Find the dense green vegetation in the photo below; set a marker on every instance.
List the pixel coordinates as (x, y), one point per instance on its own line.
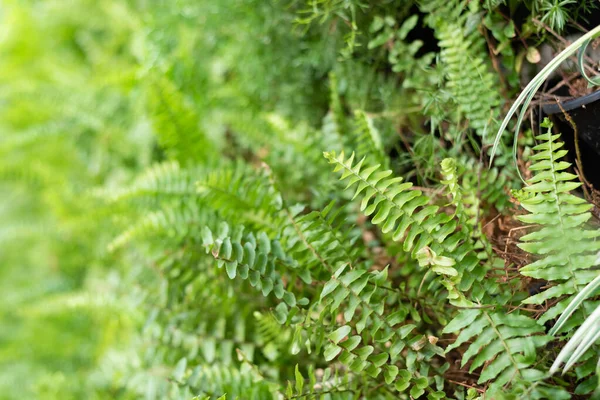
(287, 199)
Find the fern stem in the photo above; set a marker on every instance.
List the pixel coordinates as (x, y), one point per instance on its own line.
(501, 338)
(559, 209)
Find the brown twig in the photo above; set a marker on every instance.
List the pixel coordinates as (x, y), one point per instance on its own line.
(495, 64)
(467, 385)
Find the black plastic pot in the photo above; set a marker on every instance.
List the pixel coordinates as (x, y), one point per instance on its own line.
(585, 113)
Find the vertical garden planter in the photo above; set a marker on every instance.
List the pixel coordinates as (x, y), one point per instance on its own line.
(584, 112)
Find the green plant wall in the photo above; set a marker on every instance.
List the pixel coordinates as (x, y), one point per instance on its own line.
(244, 199)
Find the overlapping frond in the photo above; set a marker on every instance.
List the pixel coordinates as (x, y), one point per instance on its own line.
(426, 233)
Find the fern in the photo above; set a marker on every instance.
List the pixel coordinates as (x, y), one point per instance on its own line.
(406, 214)
(271, 336)
(450, 177)
(368, 139)
(173, 222)
(160, 180)
(510, 340)
(219, 381)
(319, 240)
(559, 215)
(189, 198)
(375, 326)
(335, 384)
(249, 197)
(176, 122)
(478, 187)
(244, 270)
(255, 258)
(367, 304)
(484, 187)
(463, 58)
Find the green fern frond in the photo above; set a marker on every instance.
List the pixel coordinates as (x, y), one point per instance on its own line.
(464, 60)
(321, 241)
(280, 142)
(510, 340)
(166, 179)
(559, 215)
(190, 198)
(255, 258)
(173, 222)
(334, 383)
(530, 386)
(361, 344)
(269, 330)
(474, 189)
(336, 110)
(214, 341)
(177, 123)
(395, 204)
(226, 382)
(368, 139)
(484, 187)
(449, 172)
(369, 307)
(407, 215)
(246, 195)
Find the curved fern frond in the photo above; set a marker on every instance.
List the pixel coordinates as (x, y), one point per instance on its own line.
(449, 172)
(398, 208)
(407, 215)
(255, 258)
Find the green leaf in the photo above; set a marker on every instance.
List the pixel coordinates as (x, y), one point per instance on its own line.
(462, 320)
(329, 287)
(281, 313)
(339, 334)
(231, 268)
(299, 380)
(179, 371)
(331, 351)
(379, 359)
(390, 372)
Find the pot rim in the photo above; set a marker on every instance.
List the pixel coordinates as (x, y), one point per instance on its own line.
(553, 108)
